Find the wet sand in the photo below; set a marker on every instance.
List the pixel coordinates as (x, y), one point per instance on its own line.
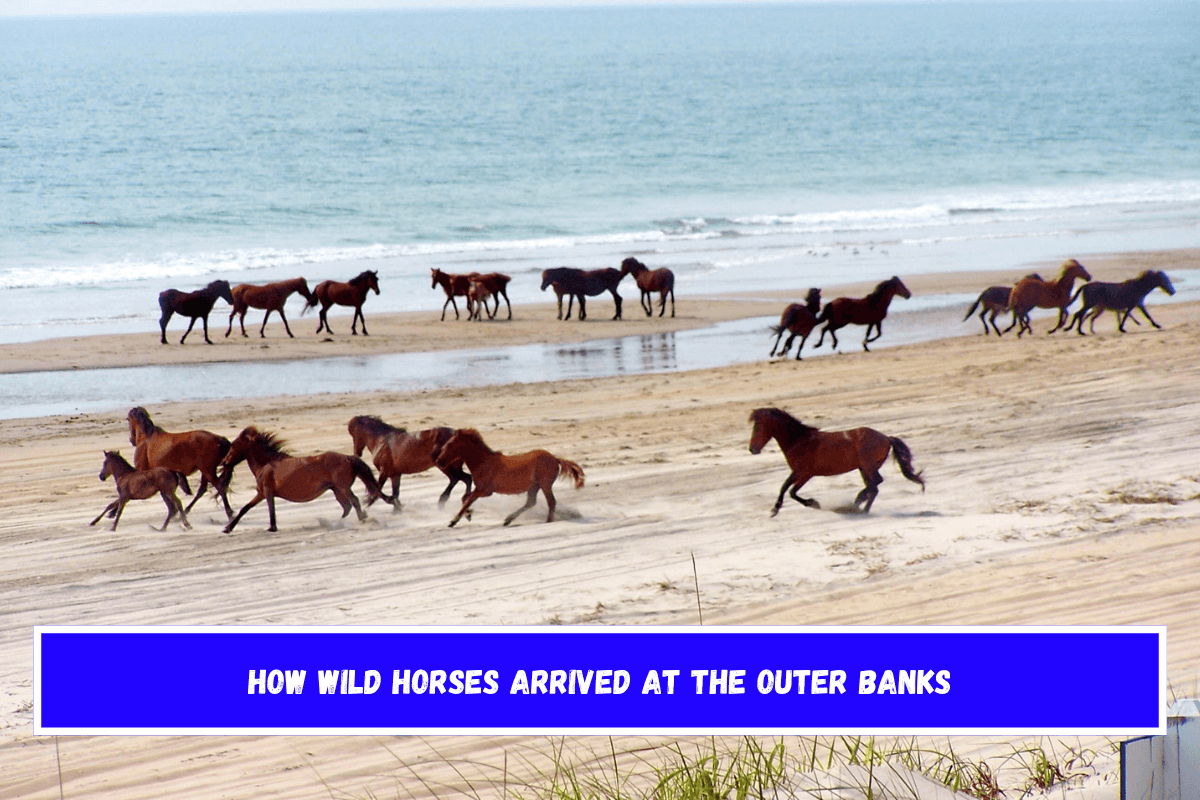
(1063, 488)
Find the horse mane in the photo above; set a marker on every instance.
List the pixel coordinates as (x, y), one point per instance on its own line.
(362, 277)
(791, 427)
(116, 454)
(376, 426)
(630, 264)
(880, 290)
(271, 442)
(142, 417)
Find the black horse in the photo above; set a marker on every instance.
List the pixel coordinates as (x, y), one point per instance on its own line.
(196, 305)
(1122, 298)
(582, 283)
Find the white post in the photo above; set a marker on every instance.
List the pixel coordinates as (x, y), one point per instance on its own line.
(1165, 767)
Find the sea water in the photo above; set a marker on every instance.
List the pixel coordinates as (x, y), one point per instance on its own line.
(744, 147)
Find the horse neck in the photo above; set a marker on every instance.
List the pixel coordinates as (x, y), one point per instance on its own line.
(118, 467)
(475, 453)
(258, 456)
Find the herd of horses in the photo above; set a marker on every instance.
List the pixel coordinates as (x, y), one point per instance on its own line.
(1033, 291)
(476, 289)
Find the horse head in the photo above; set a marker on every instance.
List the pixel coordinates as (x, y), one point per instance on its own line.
(372, 281)
(631, 266)
(1163, 282)
(547, 278)
(1072, 269)
(253, 442)
(306, 293)
(140, 425)
(900, 288)
(222, 290)
(106, 469)
(812, 301)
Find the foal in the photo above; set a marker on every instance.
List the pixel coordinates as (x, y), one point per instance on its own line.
(140, 484)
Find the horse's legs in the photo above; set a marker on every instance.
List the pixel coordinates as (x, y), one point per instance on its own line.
(582, 308)
(191, 325)
(204, 319)
(559, 305)
(795, 482)
(779, 336)
(229, 330)
(110, 509)
(803, 339)
(672, 302)
(616, 299)
(548, 490)
(172, 504)
(395, 493)
(1147, 313)
(449, 301)
(868, 337)
(258, 498)
(662, 308)
(200, 491)
(872, 480)
(1062, 317)
(162, 323)
(182, 516)
(530, 500)
(358, 315)
(506, 302)
(121, 501)
(471, 497)
(647, 303)
(324, 323)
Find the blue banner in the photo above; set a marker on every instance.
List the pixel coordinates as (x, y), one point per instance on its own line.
(160, 680)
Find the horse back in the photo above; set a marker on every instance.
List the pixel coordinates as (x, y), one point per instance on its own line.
(300, 479)
(836, 452)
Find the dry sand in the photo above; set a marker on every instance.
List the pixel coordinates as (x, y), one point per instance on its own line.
(1063, 488)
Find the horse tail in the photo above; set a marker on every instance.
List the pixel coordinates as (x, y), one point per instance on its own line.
(571, 470)
(903, 458)
(1075, 296)
(364, 474)
(182, 480)
(974, 305)
(311, 301)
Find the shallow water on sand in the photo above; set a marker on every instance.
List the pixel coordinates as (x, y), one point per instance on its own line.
(735, 342)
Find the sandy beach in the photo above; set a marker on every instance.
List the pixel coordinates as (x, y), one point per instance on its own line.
(1062, 488)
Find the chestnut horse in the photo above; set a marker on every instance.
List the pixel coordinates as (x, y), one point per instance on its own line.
(798, 320)
(296, 479)
(1121, 298)
(494, 284)
(196, 305)
(661, 280)
(994, 300)
(351, 293)
(579, 283)
(1033, 292)
(477, 297)
(495, 472)
(454, 286)
(397, 453)
(140, 484)
(810, 452)
(270, 296)
(869, 311)
(185, 453)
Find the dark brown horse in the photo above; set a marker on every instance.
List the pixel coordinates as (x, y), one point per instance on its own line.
(1121, 298)
(495, 472)
(454, 286)
(869, 311)
(397, 453)
(185, 453)
(810, 452)
(579, 283)
(798, 320)
(495, 285)
(350, 293)
(140, 484)
(297, 479)
(994, 300)
(1033, 292)
(270, 296)
(196, 305)
(661, 280)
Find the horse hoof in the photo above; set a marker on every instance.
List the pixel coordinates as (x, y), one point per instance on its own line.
(774, 511)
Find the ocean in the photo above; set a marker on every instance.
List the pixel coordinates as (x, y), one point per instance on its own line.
(745, 147)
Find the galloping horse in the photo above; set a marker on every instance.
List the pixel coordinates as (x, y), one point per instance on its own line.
(397, 453)
(994, 300)
(810, 452)
(582, 283)
(270, 296)
(494, 284)
(1121, 298)
(495, 472)
(297, 479)
(140, 484)
(454, 286)
(1033, 292)
(661, 280)
(196, 305)
(869, 311)
(799, 320)
(351, 293)
(184, 453)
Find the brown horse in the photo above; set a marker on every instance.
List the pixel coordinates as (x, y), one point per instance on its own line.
(196, 305)
(454, 286)
(661, 280)
(798, 320)
(810, 452)
(270, 296)
(869, 311)
(1121, 298)
(477, 297)
(185, 453)
(350, 293)
(495, 472)
(296, 479)
(1033, 292)
(494, 284)
(994, 300)
(579, 283)
(140, 484)
(397, 453)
